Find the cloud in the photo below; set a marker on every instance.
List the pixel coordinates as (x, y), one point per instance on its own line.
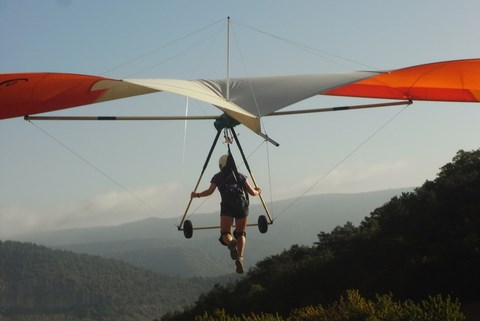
(170, 199)
(111, 208)
(15, 219)
(359, 177)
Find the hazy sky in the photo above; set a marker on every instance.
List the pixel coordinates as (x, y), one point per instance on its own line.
(69, 174)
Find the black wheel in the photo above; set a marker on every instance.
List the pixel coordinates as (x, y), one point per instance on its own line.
(188, 229)
(262, 224)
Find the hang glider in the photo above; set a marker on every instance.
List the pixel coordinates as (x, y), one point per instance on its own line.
(245, 100)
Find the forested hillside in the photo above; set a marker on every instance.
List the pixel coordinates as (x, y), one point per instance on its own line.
(420, 244)
(61, 285)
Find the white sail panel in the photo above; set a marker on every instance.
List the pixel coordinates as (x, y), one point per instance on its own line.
(262, 96)
(197, 90)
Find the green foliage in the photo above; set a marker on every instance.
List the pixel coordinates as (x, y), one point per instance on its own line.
(221, 315)
(419, 244)
(356, 308)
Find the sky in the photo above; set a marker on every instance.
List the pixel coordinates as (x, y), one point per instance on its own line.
(57, 175)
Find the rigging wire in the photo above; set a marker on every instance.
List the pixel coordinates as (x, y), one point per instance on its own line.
(350, 154)
(90, 164)
(165, 60)
(242, 60)
(193, 72)
(185, 132)
(207, 51)
(248, 77)
(329, 56)
(269, 177)
(259, 114)
(184, 147)
(161, 47)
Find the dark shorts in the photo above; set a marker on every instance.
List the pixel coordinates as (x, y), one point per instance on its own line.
(237, 208)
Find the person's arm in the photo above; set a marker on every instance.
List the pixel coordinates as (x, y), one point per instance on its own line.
(252, 191)
(204, 193)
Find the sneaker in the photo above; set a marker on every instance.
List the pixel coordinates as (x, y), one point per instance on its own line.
(232, 246)
(239, 265)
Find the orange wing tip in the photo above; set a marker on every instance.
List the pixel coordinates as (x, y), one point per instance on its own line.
(32, 93)
(457, 80)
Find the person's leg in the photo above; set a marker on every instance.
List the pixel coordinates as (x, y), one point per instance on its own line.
(240, 236)
(226, 223)
(240, 227)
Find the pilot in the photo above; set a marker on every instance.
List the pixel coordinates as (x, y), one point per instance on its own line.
(233, 188)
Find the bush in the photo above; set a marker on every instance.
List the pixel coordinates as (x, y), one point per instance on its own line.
(353, 307)
(221, 315)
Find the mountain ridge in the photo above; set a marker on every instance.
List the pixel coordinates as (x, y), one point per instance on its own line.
(156, 244)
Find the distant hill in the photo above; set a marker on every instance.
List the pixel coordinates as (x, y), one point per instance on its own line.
(35, 281)
(156, 244)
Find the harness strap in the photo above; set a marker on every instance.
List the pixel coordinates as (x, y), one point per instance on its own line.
(234, 169)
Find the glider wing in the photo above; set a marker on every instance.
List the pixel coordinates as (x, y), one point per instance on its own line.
(24, 94)
(248, 99)
(457, 80)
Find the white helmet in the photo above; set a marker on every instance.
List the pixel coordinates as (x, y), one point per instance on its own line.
(222, 161)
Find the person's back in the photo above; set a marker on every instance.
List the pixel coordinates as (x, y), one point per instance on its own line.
(229, 185)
